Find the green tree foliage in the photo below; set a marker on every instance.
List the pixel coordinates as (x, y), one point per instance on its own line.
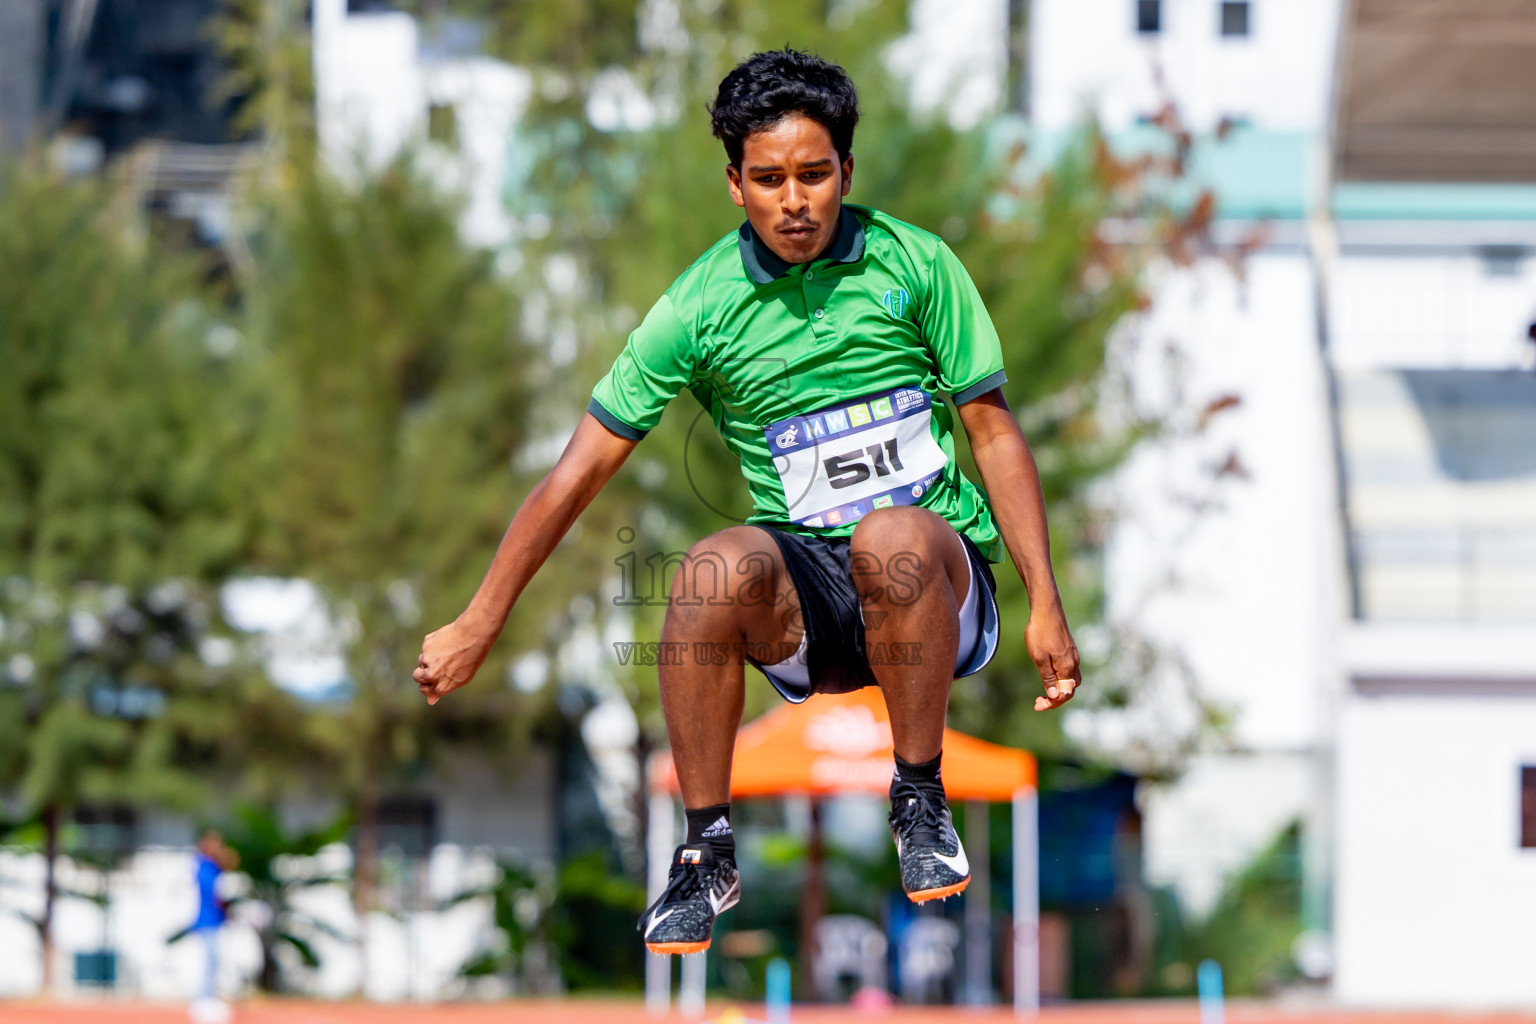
(1253, 929)
(520, 902)
(563, 922)
(394, 389)
(397, 394)
(269, 68)
(117, 515)
(1251, 932)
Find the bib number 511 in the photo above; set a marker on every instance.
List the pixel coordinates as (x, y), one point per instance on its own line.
(850, 468)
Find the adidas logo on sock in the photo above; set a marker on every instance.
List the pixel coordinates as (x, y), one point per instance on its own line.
(938, 776)
(721, 827)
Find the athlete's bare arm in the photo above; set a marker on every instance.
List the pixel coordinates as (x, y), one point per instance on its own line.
(451, 656)
(1013, 487)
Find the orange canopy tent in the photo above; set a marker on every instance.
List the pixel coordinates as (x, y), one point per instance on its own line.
(835, 744)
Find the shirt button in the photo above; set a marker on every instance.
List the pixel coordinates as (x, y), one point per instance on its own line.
(820, 313)
(810, 275)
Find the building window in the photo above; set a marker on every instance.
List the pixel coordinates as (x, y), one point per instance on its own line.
(1149, 17)
(1234, 18)
(106, 830)
(408, 825)
(1527, 807)
(1503, 260)
(443, 124)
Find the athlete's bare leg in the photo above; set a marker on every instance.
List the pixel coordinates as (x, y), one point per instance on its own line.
(731, 592)
(911, 572)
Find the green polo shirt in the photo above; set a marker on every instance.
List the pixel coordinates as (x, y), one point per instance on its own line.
(824, 377)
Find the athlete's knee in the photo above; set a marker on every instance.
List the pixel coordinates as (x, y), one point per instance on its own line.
(903, 554)
(900, 528)
(913, 534)
(700, 576)
(720, 578)
(707, 573)
(897, 555)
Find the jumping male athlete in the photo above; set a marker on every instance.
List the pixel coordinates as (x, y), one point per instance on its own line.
(820, 338)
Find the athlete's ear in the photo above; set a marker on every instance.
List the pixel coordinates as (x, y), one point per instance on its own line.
(847, 173)
(733, 176)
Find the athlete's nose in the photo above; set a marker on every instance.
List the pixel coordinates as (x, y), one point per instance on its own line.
(796, 201)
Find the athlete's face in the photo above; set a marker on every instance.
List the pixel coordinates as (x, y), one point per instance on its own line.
(792, 184)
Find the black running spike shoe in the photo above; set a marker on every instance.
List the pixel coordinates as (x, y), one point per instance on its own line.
(933, 864)
(699, 888)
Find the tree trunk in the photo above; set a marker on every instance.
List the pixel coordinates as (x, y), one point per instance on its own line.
(270, 979)
(640, 804)
(813, 898)
(365, 871)
(51, 817)
(1018, 57)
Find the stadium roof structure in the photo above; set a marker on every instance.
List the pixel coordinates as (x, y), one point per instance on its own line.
(841, 743)
(1437, 91)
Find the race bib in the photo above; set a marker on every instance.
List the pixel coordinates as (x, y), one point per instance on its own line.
(838, 464)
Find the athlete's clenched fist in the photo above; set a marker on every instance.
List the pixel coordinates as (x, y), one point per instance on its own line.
(1055, 654)
(450, 657)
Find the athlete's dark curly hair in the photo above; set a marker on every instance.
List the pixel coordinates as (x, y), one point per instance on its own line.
(767, 87)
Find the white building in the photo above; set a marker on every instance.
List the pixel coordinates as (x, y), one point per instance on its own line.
(380, 86)
(1364, 593)
(1432, 298)
(1225, 552)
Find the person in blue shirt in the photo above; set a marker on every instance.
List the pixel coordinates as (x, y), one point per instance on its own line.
(214, 857)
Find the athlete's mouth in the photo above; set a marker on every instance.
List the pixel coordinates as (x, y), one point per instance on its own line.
(798, 230)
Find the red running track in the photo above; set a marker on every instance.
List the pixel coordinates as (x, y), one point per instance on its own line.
(586, 1011)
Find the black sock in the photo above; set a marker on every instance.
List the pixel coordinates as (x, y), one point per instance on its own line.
(712, 826)
(925, 774)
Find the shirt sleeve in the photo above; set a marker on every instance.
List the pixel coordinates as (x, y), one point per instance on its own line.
(658, 361)
(959, 331)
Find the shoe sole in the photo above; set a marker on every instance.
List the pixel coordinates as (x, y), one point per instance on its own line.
(943, 892)
(671, 948)
(666, 948)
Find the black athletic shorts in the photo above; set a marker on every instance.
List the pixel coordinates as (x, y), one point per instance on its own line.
(836, 653)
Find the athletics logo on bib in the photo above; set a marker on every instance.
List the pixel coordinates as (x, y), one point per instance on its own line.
(842, 462)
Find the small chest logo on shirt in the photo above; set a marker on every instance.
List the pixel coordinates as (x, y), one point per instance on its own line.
(895, 302)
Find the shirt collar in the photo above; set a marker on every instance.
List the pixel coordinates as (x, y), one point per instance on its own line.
(764, 265)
